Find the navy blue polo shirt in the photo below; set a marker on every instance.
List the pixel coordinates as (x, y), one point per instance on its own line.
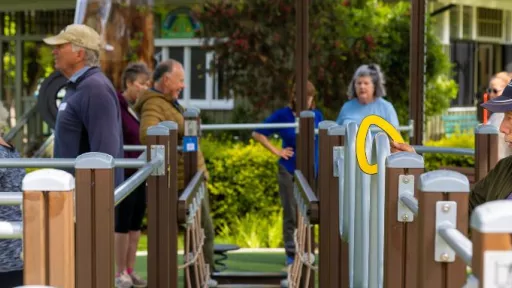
(288, 135)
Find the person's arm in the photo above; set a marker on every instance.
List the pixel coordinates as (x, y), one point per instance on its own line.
(150, 115)
(285, 153)
(261, 135)
(99, 114)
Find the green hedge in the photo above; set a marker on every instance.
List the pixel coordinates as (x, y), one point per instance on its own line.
(243, 180)
(459, 140)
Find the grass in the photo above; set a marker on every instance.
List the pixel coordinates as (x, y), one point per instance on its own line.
(143, 242)
(237, 262)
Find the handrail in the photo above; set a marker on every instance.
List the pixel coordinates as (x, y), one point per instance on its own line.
(420, 149)
(11, 198)
(458, 242)
(11, 230)
(187, 197)
(20, 123)
(127, 187)
(307, 194)
(411, 202)
(62, 163)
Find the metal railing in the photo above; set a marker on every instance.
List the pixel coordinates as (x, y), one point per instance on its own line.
(401, 216)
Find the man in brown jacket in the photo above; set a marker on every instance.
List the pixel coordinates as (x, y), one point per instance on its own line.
(160, 103)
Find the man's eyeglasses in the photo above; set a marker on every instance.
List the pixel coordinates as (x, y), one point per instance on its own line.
(491, 90)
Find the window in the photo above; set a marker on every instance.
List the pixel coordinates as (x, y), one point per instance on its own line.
(201, 88)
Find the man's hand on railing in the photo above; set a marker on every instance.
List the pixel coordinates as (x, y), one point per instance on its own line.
(400, 147)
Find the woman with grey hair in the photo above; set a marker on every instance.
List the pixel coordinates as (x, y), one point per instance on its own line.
(11, 263)
(365, 94)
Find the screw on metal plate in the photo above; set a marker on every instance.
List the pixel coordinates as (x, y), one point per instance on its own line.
(446, 216)
(405, 186)
(445, 257)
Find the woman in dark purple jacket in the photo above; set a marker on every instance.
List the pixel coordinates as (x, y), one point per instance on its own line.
(130, 212)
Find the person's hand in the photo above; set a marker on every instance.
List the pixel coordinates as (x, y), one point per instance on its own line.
(400, 147)
(286, 153)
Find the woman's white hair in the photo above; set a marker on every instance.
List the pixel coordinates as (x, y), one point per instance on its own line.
(92, 58)
(373, 71)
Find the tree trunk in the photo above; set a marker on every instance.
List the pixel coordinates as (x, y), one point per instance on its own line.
(127, 28)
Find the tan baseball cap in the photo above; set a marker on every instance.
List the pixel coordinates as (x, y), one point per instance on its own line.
(78, 34)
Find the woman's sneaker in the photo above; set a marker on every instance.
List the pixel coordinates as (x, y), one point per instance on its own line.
(137, 280)
(123, 280)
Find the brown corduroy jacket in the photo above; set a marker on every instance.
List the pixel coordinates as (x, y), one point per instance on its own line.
(154, 107)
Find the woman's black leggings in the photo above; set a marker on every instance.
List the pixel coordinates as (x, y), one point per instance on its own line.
(11, 279)
(130, 212)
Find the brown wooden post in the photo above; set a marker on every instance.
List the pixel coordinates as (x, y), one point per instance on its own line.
(486, 150)
(400, 225)
(49, 228)
(94, 260)
(324, 168)
(301, 53)
(306, 164)
(172, 175)
(306, 147)
(162, 219)
(190, 150)
(492, 236)
(443, 199)
(190, 143)
(417, 69)
(333, 272)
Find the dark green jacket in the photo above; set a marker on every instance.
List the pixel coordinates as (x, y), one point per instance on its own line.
(497, 185)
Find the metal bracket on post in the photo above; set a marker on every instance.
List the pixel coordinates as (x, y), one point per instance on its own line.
(158, 151)
(337, 153)
(446, 216)
(191, 128)
(405, 186)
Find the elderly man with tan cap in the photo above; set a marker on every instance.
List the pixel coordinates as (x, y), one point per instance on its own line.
(89, 117)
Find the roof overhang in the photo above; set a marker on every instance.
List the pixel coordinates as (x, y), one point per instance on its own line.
(494, 4)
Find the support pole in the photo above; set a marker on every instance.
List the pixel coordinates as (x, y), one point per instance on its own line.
(162, 222)
(401, 227)
(94, 220)
(49, 228)
(417, 69)
(443, 200)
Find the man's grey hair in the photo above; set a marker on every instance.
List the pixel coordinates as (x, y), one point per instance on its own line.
(373, 71)
(163, 67)
(92, 58)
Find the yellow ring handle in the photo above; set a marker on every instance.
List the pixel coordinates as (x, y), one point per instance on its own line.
(361, 139)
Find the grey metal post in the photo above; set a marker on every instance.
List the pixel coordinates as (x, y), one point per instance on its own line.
(362, 222)
(350, 194)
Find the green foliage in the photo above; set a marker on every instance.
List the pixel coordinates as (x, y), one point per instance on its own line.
(256, 53)
(254, 230)
(459, 140)
(243, 180)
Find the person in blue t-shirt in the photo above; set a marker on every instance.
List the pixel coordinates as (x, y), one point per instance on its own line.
(365, 94)
(286, 161)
